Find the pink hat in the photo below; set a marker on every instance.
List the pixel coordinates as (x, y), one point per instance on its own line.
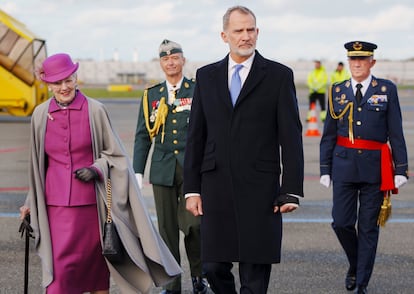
(57, 67)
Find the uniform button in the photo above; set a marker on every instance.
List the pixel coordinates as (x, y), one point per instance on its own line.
(65, 139)
(359, 109)
(358, 123)
(174, 111)
(176, 152)
(175, 142)
(358, 137)
(174, 121)
(359, 151)
(174, 132)
(377, 109)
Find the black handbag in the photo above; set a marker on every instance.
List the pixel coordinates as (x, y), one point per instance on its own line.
(112, 247)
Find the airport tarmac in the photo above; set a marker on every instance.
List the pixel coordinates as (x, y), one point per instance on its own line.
(312, 261)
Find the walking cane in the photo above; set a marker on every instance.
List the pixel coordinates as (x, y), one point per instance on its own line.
(26, 229)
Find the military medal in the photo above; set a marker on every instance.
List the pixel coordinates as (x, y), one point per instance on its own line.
(153, 115)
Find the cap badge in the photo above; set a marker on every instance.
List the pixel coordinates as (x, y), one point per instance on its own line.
(357, 46)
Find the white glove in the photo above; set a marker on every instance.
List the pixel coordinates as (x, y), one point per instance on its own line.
(400, 181)
(139, 180)
(325, 180)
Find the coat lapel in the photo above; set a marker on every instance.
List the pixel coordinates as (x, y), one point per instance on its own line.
(219, 78)
(185, 88)
(371, 90)
(256, 74)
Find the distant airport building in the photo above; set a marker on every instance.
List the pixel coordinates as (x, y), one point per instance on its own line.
(147, 73)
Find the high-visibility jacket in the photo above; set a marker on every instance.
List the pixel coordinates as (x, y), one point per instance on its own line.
(340, 76)
(318, 80)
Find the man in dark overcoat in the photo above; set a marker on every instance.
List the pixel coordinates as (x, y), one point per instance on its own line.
(243, 165)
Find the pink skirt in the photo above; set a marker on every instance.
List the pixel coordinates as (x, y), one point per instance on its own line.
(78, 264)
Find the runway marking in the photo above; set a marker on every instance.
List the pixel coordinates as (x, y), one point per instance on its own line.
(9, 189)
(329, 220)
(10, 150)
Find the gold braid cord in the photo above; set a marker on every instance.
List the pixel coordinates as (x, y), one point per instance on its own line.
(160, 118)
(350, 107)
(385, 212)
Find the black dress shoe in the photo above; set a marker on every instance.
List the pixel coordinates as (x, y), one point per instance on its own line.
(199, 285)
(361, 290)
(350, 280)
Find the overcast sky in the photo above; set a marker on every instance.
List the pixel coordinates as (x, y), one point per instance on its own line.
(288, 29)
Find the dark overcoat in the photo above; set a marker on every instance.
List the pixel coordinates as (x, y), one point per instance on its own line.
(236, 155)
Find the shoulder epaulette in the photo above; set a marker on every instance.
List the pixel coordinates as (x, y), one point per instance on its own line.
(340, 83)
(153, 86)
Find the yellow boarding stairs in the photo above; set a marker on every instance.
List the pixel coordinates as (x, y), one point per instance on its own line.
(21, 53)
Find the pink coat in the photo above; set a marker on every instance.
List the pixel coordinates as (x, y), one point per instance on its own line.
(63, 131)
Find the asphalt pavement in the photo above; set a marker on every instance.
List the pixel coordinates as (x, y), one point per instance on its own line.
(312, 260)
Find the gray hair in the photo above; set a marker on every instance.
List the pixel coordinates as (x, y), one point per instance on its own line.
(239, 8)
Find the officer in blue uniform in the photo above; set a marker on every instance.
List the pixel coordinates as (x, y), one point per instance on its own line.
(162, 122)
(363, 125)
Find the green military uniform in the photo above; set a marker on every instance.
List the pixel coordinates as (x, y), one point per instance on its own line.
(166, 167)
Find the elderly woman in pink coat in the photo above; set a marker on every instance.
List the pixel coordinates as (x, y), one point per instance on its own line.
(73, 144)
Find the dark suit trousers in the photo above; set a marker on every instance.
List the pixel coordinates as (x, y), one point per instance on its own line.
(173, 217)
(359, 244)
(254, 278)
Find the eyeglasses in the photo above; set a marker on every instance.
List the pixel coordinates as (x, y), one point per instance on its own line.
(69, 82)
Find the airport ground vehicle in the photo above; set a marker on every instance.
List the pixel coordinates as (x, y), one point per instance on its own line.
(21, 53)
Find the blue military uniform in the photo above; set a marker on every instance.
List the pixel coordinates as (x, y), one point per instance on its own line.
(356, 172)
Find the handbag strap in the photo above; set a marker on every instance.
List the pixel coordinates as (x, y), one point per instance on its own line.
(109, 197)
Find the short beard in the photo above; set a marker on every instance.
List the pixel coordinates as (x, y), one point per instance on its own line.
(245, 52)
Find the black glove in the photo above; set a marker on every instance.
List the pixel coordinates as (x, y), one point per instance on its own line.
(284, 199)
(86, 174)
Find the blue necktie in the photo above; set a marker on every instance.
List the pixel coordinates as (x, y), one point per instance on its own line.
(235, 84)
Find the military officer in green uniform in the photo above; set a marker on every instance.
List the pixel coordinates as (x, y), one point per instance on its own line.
(163, 121)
